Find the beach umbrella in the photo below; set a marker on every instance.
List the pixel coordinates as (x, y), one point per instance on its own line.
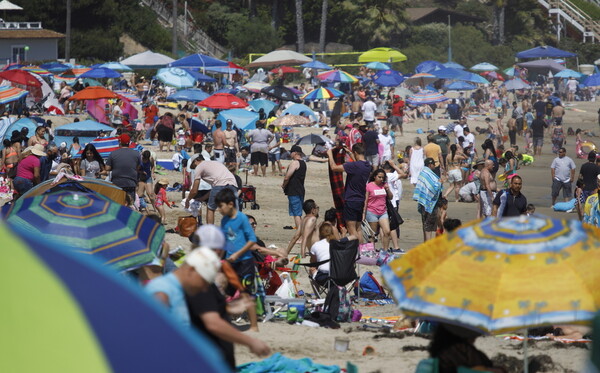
(403, 92)
(426, 98)
(199, 76)
(291, 120)
(454, 65)
(493, 75)
(223, 101)
(126, 95)
(280, 57)
(515, 84)
(474, 78)
(313, 139)
(231, 68)
(100, 72)
(592, 81)
(544, 52)
(314, 64)
(117, 66)
(428, 67)
(107, 145)
(10, 94)
(568, 73)
(510, 71)
(190, 94)
(460, 86)
(377, 66)
(241, 118)
(322, 93)
(484, 66)
(36, 70)
(115, 234)
(542, 66)
(421, 79)
(281, 93)
(197, 60)
(285, 70)
(7, 5)
(93, 319)
(301, 110)
(20, 77)
(147, 60)
(388, 78)
(381, 54)
(175, 77)
(93, 93)
(334, 76)
(266, 105)
(54, 67)
(229, 91)
(498, 275)
(255, 86)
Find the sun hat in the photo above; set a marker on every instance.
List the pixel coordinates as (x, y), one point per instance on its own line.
(124, 139)
(205, 262)
(441, 128)
(37, 149)
(163, 181)
(209, 235)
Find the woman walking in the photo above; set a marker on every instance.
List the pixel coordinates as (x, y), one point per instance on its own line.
(416, 161)
(375, 210)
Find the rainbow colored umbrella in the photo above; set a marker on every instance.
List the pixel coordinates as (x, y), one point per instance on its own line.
(499, 275)
(335, 76)
(426, 98)
(322, 93)
(10, 94)
(36, 70)
(91, 319)
(92, 224)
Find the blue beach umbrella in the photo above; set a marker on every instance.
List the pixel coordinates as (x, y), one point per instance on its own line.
(377, 66)
(454, 65)
(568, 73)
(428, 67)
(592, 81)
(198, 60)
(190, 94)
(175, 77)
(266, 105)
(460, 86)
(241, 118)
(55, 67)
(314, 64)
(100, 72)
(388, 78)
(484, 66)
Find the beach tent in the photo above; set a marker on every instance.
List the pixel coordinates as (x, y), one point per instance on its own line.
(266, 105)
(7, 131)
(147, 60)
(280, 57)
(86, 130)
(296, 109)
(241, 118)
(107, 145)
(545, 51)
(542, 66)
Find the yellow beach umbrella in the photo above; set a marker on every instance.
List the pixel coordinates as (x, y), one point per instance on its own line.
(381, 55)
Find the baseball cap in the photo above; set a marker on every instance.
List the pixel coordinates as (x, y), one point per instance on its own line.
(296, 149)
(349, 126)
(124, 139)
(441, 128)
(209, 235)
(205, 261)
(429, 161)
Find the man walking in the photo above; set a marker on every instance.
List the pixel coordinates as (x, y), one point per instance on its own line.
(537, 129)
(124, 164)
(219, 143)
(369, 108)
(427, 192)
(443, 141)
(231, 144)
(293, 184)
(563, 174)
(434, 151)
(371, 140)
(510, 202)
(588, 173)
(397, 118)
(487, 190)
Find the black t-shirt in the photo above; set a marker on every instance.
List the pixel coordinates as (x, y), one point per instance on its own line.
(537, 127)
(211, 301)
(589, 172)
(540, 108)
(370, 140)
(514, 206)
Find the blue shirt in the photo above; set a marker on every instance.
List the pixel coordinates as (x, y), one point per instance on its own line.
(170, 285)
(238, 232)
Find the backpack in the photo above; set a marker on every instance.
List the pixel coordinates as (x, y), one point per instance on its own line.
(338, 304)
(370, 286)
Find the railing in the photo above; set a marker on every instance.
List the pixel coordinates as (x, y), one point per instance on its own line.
(20, 25)
(575, 16)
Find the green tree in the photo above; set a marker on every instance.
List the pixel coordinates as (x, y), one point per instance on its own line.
(242, 38)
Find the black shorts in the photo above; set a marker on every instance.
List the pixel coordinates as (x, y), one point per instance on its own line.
(429, 220)
(259, 158)
(353, 211)
(246, 270)
(230, 155)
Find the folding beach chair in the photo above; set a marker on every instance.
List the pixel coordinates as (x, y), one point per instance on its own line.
(342, 277)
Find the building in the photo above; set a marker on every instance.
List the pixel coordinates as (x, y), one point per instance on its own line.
(27, 41)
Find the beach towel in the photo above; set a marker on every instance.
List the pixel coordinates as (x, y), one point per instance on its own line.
(336, 179)
(428, 189)
(278, 363)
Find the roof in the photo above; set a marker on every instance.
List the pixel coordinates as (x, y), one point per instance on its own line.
(30, 34)
(428, 15)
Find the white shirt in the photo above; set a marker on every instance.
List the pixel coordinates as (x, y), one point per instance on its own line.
(458, 131)
(368, 109)
(386, 141)
(572, 85)
(395, 185)
(469, 139)
(320, 250)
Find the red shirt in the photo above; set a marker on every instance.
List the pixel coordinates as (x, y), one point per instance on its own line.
(398, 109)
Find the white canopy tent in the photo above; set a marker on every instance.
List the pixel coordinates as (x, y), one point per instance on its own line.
(147, 60)
(280, 57)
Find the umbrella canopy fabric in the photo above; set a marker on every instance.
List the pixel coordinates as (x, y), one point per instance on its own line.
(87, 131)
(280, 57)
(255, 86)
(568, 73)
(453, 65)
(335, 76)
(20, 77)
(312, 139)
(37, 70)
(474, 78)
(381, 54)
(484, 66)
(102, 187)
(498, 275)
(7, 5)
(223, 101)
(426, 98)
(127, 95)
(592, 81)
(388, 78)
(428, 67)
(421, 79)
(314, 64)
(516, 83)
(266, 105)
(377, 66)
(291, 120)
(281, 93)
(10, 94)
(107, 145)
(190, 94)
(94, 225)
(147, 60)
(176, 77)
(460, 86)
(93, 319)
(285, 70)
(93, 93)
(117, 66)
(322, 93)
(100, 72)
(197, 60)
(493, 75)
(542, 66)
(199, 76)
(54, 67)
(241, 118)
(231, 68)
(301, 110)
(544, 52)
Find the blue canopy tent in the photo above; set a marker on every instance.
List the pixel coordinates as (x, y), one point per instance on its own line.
(197, 61)
(241, 118)
(545, 52)
(266, 105)
(296, 109)
(86, 130)
(428, 66)
(7, 131)
(190, 94)
(592, 81)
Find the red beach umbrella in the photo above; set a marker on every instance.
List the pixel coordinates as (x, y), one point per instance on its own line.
(20, 77)
(223, 101)
(285, 70)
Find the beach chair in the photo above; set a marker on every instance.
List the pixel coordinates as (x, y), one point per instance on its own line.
(342, 276)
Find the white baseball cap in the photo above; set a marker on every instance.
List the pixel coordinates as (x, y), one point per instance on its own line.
(211, 236)
(205, 262)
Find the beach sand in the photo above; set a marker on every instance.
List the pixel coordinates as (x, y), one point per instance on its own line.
(296, 341)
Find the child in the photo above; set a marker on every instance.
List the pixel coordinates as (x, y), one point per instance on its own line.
(530, 209)
(162, 199)
(442, 215)
(181, 140)
(240, 239)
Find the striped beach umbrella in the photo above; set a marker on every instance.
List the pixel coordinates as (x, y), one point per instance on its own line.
(106, 145)
(426, 98)
(37, 70)
(128, 95)
(335, 76)
(10, 94)
(93, 319)
(71, 75)
(420, 79)
(93, 225)
(322, 93)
